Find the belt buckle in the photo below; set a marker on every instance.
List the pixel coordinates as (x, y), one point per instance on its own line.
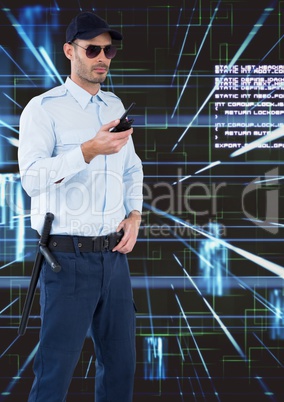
(105, 243)
(101, 243)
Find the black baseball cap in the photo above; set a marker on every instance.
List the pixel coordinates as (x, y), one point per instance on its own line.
(87, 25)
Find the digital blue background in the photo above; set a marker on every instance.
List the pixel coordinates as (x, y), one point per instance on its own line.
(207, 270)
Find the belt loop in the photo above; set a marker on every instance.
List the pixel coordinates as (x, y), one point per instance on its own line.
(76, 247)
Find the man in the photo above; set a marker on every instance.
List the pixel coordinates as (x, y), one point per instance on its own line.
(90, 178)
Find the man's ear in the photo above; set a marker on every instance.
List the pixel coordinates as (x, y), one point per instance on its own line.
(68, 50)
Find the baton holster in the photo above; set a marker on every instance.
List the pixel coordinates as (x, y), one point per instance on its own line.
(42, 252)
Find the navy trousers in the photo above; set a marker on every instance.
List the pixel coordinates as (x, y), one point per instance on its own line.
(91, 294)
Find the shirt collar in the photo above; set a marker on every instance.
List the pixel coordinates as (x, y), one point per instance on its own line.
(81, 95)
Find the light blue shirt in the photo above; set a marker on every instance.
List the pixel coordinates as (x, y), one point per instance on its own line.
(92, 199)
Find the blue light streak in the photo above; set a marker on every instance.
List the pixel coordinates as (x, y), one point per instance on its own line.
(184, 41)
(149, 304)
(217, 318)
(12, 100)
(241, 49)
(50, 64)
(196, 345)
(11, 140)
(180, 348)
(177, 25)
(9, 305)
(274, 178)
(193, 393)
(8, 264)
(180, 389)
(268, 350)
(89, 365)
(11, 344)
(56, 5)
(9, 127)
(184, 178)
(199, 255)
(208, 167)
(196, 57)
(264, 386)
(270, 50)
(268, 265)
(26, 75)
(20, 372)
(193, 337)
(216, 163)
(256, 295)
(28, 42)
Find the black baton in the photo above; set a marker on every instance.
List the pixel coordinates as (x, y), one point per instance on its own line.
(43, 252)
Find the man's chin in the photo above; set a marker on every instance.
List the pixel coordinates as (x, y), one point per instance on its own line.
(100, 78)
(97, 80)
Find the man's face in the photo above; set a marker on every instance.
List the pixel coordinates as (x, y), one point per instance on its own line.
(91, 71)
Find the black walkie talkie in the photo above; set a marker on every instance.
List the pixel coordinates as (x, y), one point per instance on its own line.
(124, 124)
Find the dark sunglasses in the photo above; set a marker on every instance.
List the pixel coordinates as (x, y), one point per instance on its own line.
(93, 51)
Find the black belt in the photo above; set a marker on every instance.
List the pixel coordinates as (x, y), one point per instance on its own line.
(65, 244)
